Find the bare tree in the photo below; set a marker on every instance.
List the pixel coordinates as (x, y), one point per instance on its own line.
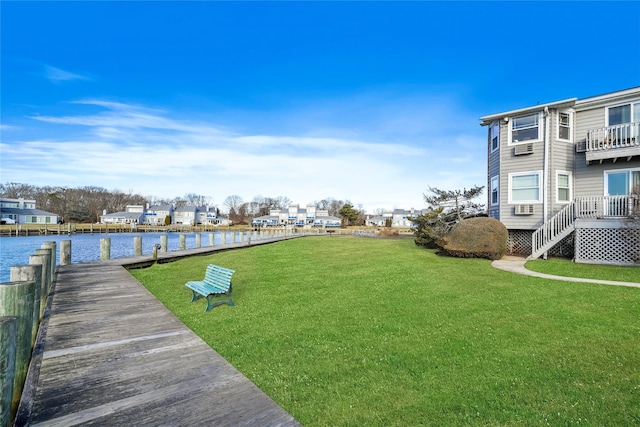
(233, 202)
(15, 190)
(263, 205)
(193, 199)
(332, 205)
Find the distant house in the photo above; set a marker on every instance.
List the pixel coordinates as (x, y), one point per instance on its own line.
(207, 216)
(157, 214)
(185, 215)
(21, 211)
(299, 217)
(165, 214)
(133, 214)
(564, 177)
(400, 218)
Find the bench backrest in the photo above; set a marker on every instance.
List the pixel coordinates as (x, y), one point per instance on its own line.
(218, 277)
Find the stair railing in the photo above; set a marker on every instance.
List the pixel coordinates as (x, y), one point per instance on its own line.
(554, 227)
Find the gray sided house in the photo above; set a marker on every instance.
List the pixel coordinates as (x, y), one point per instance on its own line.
(22, 211)
(564, 177)
(165, 214)
(208, 216)
(185, 215)
(133, 214)
(296, 216)
(157, 214)
(401, 218)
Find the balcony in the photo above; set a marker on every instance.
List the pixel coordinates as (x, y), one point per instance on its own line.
(613, 143)
(583, 208)
(599, 207)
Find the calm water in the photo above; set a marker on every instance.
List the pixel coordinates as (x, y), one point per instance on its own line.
(86, 247)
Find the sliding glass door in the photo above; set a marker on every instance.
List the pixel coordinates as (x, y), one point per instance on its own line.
(621, 183)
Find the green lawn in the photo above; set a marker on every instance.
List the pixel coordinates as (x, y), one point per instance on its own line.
(379, 332)
(565, 267)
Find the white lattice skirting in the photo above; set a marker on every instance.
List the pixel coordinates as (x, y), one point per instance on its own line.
(607, 242)
(519, 243)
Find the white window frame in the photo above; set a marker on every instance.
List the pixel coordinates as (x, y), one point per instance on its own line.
(494, 125)
(495, 185)
(611, 171)
(540, 129)
(633, 106)
(540, 187)
(570, 187)
(570, 114)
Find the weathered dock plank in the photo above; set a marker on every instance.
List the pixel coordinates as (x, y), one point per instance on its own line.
(111, 354)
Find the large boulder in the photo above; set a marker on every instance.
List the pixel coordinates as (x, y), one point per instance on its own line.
(476, 238)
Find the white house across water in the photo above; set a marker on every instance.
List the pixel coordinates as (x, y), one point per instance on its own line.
(22, 211)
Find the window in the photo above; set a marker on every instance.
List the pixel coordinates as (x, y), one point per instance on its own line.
(525, 187)
(525, 128)
(494, 135)
(622, 182)
(495, 184)
(563, 187)
(564, 125)
(621, 114)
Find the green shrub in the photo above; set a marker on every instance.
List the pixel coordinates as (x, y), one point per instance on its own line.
(476, 238)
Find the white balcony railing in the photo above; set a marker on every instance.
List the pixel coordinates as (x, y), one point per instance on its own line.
(607, 206)
(554, 230)
(563, 222)
(612, 137)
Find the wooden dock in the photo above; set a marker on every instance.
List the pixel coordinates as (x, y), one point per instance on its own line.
(109, 353)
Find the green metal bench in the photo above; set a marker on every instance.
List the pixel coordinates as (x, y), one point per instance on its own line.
(216, 283)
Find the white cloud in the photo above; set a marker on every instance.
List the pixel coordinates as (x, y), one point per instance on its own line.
(57, 75)
(153, 153)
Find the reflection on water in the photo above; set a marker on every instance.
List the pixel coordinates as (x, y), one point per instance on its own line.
(86, 247)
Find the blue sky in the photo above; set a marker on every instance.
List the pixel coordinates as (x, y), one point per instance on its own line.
(368, 101)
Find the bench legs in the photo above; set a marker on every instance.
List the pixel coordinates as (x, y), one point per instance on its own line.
(210, 304)
(211, 299)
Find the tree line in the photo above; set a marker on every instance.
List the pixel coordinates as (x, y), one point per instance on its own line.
(86, 204)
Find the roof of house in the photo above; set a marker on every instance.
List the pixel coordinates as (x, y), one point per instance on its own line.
(185, 208)
(122, 215)
(160, 208)
(18, 211)
(487, 120)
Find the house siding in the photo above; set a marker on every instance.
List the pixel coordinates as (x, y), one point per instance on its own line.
(590, 116)
(494, 169)
(510, 163)
(561, 159)
(591, 182)
(586, 180)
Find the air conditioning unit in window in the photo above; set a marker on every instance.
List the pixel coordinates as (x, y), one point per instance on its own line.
(524, 209)
(522, 149)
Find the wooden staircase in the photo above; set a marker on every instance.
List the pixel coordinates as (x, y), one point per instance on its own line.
(553, 231)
